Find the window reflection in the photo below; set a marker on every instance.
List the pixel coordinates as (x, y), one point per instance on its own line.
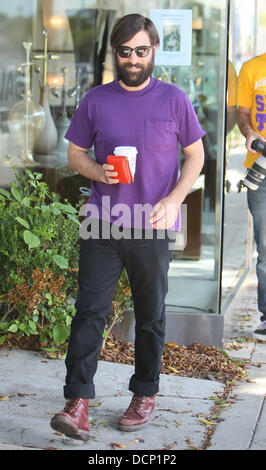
(78, 33)
(237, 252)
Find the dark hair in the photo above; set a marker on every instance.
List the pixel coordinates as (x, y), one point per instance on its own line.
(127, 26)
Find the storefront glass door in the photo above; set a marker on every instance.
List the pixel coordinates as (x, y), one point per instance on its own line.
(192, 56)
(194, 277)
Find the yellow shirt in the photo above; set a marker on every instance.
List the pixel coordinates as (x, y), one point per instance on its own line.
(252, 94)
(232, 85)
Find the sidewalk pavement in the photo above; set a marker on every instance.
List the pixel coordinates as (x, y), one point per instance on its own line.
(244, 422)
(34, 384)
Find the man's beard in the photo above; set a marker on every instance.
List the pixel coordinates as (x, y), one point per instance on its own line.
(136, 78)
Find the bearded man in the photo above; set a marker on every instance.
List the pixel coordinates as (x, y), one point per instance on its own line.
(140, 111)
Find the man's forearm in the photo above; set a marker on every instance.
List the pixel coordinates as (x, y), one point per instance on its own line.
(165, 212)
(190, 171)
(245, 126)
(84, 164)
(80, 161)
(231, 118)
(244, 122)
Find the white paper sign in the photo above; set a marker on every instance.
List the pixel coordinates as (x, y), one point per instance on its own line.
(175, 32)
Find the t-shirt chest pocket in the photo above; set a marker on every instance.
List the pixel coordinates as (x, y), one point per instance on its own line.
(160, 135)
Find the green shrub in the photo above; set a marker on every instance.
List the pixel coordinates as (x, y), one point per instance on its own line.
(39, 252)
(38, 259)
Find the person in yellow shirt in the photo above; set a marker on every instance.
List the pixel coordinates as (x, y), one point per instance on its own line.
(252, 124)
(231, 110)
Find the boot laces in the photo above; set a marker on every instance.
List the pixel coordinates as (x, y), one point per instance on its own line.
(137, 403)
(72, 405)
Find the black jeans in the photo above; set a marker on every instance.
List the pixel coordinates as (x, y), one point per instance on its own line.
(101, 264)
(257, 207)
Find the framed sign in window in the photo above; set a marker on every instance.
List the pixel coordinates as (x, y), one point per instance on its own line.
(175, 31)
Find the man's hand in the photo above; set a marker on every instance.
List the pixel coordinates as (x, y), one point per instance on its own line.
(108, 176)
(251, 136)
(245, 126)
(164, 214)
(80, 161)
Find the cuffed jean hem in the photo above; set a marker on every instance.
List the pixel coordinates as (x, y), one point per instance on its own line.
(79, 391)
(144, 389)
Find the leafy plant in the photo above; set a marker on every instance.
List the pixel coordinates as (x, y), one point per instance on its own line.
(38, 259)
(39, 253)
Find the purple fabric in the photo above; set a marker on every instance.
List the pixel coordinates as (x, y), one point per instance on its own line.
(154, 120)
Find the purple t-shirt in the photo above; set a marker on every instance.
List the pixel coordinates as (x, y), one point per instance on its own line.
(154, 120)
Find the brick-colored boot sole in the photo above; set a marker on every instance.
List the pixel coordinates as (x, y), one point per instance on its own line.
(136, 427)
(138, 415)
(64, 425)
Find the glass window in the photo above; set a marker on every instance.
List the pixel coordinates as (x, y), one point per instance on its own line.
(237, 233)
(196, 268)
(70, 53)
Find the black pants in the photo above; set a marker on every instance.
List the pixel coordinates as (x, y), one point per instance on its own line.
(101, 264)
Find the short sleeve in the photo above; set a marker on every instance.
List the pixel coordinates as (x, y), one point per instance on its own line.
(232, 86)
(190, 129)
(80, 130)
(244, 93)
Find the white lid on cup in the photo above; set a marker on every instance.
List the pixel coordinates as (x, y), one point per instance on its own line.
(125, 151)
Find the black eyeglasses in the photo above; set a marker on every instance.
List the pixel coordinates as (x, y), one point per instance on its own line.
(125, 51)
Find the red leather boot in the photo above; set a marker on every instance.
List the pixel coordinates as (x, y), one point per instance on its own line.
(73, 421)
(138, 415)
